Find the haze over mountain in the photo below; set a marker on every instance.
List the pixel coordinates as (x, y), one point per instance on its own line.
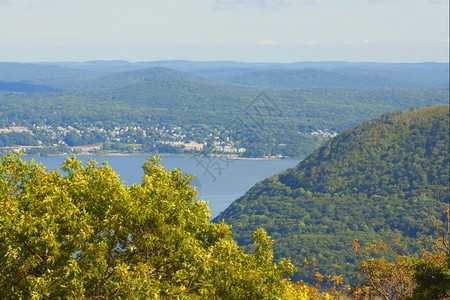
(307, 78)
(412, 73)
(13, 72)
(25, 87)
(125, 78)
(313, 101)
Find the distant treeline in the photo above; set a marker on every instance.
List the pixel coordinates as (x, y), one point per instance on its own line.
(298, 103)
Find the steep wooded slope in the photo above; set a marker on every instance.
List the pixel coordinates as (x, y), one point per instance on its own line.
(381, 179)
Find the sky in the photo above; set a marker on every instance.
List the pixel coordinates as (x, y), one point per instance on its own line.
(212, 30)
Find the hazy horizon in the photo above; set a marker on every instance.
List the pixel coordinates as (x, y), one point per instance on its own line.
(397, 31)
(219, 61)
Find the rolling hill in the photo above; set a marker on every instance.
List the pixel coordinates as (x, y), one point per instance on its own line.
(380, 180)
(126, 78)
(307, 78)
(315, 100)
(14, 72)
(415, 74)
(24, 87)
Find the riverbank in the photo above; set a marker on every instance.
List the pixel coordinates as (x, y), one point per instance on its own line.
(115, 153)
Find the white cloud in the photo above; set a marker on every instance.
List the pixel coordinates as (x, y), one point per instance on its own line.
(267, 42)
(358, 42)
(4, 3)
(310, 43)
(58, 44)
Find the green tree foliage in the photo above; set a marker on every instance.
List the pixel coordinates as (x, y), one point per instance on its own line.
(373, 182)
(153, 97)
(73, 138)
(387, 275)
(432, 271)
(432, 276)
(308, 78)
(84, 234)
(121, 79)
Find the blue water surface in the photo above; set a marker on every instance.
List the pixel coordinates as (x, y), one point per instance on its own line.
(219, 181)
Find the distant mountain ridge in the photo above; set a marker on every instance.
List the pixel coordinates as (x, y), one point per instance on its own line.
(23, 87)
(380, 180)
(374, 74)
(125, 78)
(318, 99)
(433, 74)
(15, 72)
(308, 78)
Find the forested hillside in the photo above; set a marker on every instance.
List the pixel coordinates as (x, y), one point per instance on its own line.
(309, 78)
(380, 180)
(25, 87)
(123, 79)
(15, 72)
(195, 108)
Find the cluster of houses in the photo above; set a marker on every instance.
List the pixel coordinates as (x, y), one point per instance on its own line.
(175, 136)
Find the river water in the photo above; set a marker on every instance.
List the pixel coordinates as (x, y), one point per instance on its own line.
(219, 181)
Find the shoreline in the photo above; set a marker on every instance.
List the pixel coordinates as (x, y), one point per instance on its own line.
(152, 154)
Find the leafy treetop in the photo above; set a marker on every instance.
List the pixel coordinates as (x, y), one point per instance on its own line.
(84, 234)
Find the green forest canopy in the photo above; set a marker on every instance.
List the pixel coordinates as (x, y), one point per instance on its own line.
(85, 235)
(206, 98)
(375, 181)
